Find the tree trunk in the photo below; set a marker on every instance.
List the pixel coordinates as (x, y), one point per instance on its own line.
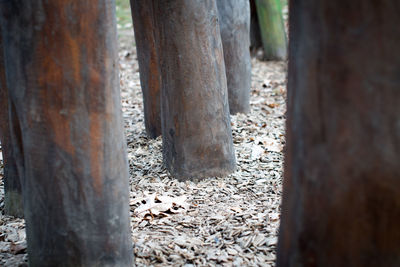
(12, 185)
(272, 29)
(61, 60)
(234, 21)
(196, 130)
(255, 33)
(341, 202)
(145, 33)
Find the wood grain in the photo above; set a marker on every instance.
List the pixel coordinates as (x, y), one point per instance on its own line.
(197, 138)
(150, 76)
(341, 201)
(61, 61)
(234, 21)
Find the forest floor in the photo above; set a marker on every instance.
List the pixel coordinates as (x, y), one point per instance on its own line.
(231, 221)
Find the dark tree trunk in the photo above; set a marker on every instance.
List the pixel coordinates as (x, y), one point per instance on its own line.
(341, 202)
(197, 138)
(255, 34)
(12, 185)
(234, 21)
(145, 33)
(61, 60)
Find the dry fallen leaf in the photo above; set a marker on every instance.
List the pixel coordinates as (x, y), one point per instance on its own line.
(236, 209)
(18, 248)
(256, 152)
(156, 204)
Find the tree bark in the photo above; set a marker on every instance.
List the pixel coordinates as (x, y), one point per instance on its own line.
(12, 186)
(341, 201)
(234, 21)
(145, 33)
(61, 59)
(196, 130)
(272, 29)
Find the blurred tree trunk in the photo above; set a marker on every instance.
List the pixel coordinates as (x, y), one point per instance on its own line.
(143, 23)
(341, 201)
(12, 185)
(272, 29)
(234, 21)
(61, 60)
(196, 129)
(255, 33)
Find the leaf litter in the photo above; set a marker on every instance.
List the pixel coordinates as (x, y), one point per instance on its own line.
(230, 221)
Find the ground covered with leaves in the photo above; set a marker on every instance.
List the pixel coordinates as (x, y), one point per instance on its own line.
(230, 221)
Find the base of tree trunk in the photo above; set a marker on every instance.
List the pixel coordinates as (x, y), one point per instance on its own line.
(145, 37)
(12, 184)
(13, 204)
(234, 21)
(196, 128)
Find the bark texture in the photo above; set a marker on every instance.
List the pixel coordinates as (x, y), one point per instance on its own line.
(234, 21)
(341, 201)
(272, 29)
(61, 59)
(197, 138)
(12, 186)
(145, 36)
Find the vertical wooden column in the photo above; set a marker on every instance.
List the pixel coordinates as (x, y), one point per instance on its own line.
(12, 186)
(145, 34)
(272, 29)
(341, 201)
(61, 59)
(234, 21)
(196, 130)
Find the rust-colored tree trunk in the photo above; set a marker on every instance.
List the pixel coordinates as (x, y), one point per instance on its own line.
(234, 21)
(341, 202)
(12, 185)
(145, 33)
(61, 59)
(196, 130)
